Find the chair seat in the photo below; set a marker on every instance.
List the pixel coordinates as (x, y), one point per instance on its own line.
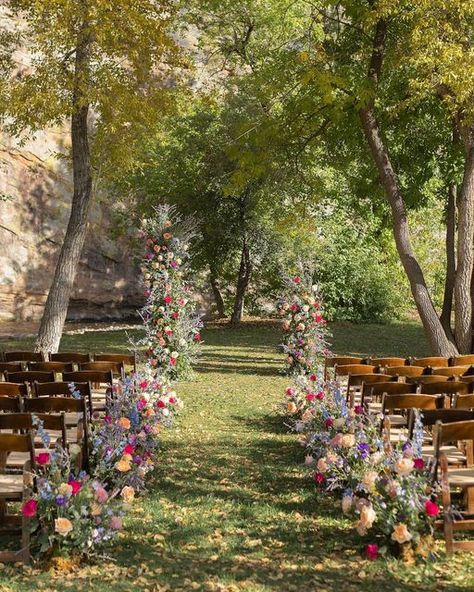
(11, 486)
(454, 455)
(397, 420)
(461, 477)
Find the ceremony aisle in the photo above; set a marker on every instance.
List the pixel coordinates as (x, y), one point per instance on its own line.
(231, 507)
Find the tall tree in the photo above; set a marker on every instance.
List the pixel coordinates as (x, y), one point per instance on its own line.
(100, 66)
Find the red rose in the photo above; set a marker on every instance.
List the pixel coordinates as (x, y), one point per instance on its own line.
(175, 315)
(358, 409)
(431, 508)
(320, 396)
(319, 478)
(143, 384)
(42, 458)
(297, 279)
(168, 299)
(309, 396)
(329, 422)
(419, 463)
(29, 508)
(129, 449)
(371, 551)
(76, 486)
(197, 337)
(173, 361)
(161, 404)
(313, 377)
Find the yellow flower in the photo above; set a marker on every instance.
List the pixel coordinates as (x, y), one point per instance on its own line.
(123, 465)
(65, 489)
(404, 466)
(348, 440)
(62, 526)
(400, 533)
(127, 457)
(128, 494)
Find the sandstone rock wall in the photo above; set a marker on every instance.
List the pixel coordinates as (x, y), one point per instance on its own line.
(35, 196)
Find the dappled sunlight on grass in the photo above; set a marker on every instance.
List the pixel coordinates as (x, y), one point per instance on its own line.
(230, 507)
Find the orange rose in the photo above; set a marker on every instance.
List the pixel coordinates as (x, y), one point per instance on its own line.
(124, 423)
(62, 526)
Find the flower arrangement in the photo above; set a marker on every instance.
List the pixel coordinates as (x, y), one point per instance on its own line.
(173, 328)
(125, 441)
(70, 512)
(388, 490)
(305, 329)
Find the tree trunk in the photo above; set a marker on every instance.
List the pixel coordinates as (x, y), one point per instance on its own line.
(445, 317)
(55, 310)
(243, 280)
(462, 285)
(219, 300)
(438, 340)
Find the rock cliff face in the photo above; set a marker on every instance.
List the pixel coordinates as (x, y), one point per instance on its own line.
(35, 197)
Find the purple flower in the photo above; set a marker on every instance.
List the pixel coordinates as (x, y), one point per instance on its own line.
(364, 449)
(147, 429)
(61, 500)
(137, 459)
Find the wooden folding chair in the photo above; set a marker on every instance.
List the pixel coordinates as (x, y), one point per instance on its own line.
(29, 377)
(432, 361)
(22, 422)
(117, 368)
(448, 388)
(451, 371)
(62, 389)
(462, 401)
(383, 362)
(127, 360)
(74, 358)
(11, 404)
(16, 488)
(426, 379)
(403, 403)
(340, 361)
(55, 366)
(404, 371)
(356, 382)
(10, 367)
(23, 356)
(76, 416)
(372, 392)
(455, 479)
(101, 383)
(13, 389)
(466, 360)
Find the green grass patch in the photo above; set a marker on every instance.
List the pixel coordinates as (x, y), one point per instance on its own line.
(231, 507)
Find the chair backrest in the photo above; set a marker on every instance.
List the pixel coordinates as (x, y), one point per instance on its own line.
(446, 387)
(388, 361)
(342, 361)
(13, 389)
(466, 360)
(125, 359)
(426, 378)
(116, 368)
(18, 443)
(23, 356)
(63, 389)
(463, 402)
(407, 371)
(29, 377)
(55, 366)
(429, 417)
(11, 367)
(93, 376)
(391, 388)
(11, 404)
(75, 357)
(411, 401)
(445, 433)
(24, 421)
(433, 361)
(346, 369)
(55, 405)
(451, 370)
(359, 379)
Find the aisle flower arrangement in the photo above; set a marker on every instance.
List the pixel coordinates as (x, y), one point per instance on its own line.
(387, 489)
(71, 513)
(125, 440)
(172, 325)
(304, 327)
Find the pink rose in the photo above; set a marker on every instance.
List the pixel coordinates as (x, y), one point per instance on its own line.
(431, 508)
(358, 409)
(29, 508)
(42, 458)
(371, 551)
(320, 396)
(310, 397)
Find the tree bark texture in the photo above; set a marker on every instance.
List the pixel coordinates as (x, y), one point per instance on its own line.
(465, 251)
(218, 298)
(446, 312)
(438, 340)
(243, 280)
(55, 311)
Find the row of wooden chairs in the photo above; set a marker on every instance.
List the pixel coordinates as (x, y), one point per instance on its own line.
(433, 361)
(65, 418)
(71, 360)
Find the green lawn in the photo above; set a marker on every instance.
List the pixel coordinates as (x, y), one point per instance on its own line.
(231, 507)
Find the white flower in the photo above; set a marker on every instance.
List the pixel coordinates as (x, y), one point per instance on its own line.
(174, 354)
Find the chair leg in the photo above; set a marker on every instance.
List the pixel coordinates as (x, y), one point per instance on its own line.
(25, 540)
(447, 509)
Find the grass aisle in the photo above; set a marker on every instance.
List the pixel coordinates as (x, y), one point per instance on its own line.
(231, 507)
